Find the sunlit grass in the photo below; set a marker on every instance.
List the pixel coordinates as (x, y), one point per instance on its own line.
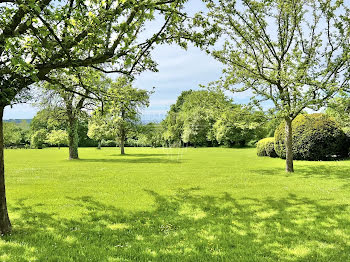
(205, 204)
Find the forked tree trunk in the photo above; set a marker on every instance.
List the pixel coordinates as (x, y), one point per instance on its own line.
(5, 224)
(73, 138)
(289, 146)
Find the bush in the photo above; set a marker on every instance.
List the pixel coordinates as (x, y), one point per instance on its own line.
(315, 137)
(38, 139)
(266, 147)
(108, 143)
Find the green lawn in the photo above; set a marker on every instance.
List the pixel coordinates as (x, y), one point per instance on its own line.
(206, 204)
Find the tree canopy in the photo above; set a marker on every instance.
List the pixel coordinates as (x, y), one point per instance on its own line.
(292, 53)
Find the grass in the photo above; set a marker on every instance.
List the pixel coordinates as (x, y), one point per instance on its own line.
(205, 204)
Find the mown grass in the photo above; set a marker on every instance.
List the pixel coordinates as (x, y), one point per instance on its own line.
(205, 204)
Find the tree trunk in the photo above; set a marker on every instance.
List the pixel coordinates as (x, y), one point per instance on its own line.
(73, 138)
(122, 134)
(289, 146)
(5, 224)
(122, 142)
(99, 144)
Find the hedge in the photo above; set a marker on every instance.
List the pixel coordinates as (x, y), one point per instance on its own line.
(265, 147)
(315, 137)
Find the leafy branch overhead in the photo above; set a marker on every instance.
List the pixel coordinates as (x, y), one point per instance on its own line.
(294, 53)
(37, 37)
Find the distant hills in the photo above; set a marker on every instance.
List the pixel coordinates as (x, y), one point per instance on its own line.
(143, 120)
(17, 121)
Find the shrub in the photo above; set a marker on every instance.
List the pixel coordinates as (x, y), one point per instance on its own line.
(265, 147)
(38, 139)
(108, 143)
(315, 137)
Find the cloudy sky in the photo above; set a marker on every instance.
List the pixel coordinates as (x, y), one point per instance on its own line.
(179, 70)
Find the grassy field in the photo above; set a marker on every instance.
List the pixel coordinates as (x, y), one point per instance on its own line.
(205, 204)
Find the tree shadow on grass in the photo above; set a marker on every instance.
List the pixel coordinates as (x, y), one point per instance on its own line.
(323, 171)
(185, 227)
(145, 155)
(144, 160)
(326, 171)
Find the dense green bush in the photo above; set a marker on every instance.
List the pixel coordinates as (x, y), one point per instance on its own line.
(315, 137)
(265, 147)
(38, 139)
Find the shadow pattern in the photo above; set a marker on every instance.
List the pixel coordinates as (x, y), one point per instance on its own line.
(185, 227)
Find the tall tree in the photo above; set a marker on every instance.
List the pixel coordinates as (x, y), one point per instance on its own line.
(121, 110)
(290, 52)
(37, 37)
(192, 118)
(72, 91)
(172, 123)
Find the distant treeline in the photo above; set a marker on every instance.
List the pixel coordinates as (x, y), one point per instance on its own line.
(198, 118)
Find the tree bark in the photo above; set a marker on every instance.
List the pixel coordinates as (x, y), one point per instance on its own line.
(99, 145)
(122, 142)
(289, 145)
(122, 134)
(5, 224)
(73, 138)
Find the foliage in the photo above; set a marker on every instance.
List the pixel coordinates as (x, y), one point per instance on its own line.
(38, 139)
(339, 109)
(72, 91)
(98, 129)
(54, 118)
(239, 125)
(315, 137)
(266, 147)
(120, 112)
(209, 118)
(291, 53)
(47, 118)
(198, 114)
(150, 134)
(172, 124)
(38, 37)
(57, 137)
(15, 134)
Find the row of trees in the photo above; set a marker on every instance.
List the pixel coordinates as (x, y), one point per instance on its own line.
(198, 118)
(210, 118)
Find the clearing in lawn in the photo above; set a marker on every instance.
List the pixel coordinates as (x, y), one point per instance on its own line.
(204, 204)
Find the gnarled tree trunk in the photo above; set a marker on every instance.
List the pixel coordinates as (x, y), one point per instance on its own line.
(73, 138)
(5, 224)
(289, 145)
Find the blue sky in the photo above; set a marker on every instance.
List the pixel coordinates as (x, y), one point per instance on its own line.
(179, 70)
